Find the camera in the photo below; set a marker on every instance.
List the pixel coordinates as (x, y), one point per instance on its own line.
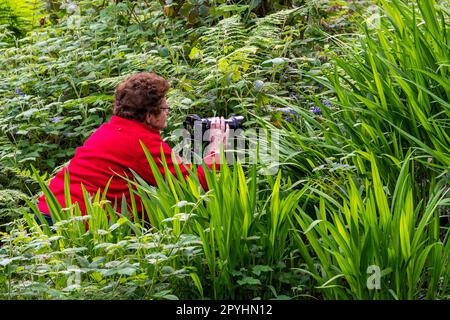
(234, 122)
(199, 135)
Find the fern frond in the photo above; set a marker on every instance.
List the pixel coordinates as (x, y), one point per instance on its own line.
(229, 34)
(267, 31)
(21, 16)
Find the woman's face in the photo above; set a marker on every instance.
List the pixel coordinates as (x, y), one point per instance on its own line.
(159, 122)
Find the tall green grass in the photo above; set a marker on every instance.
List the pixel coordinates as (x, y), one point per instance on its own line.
(239, 230)
(371, 227)
(393, 89)
(378, 206)
(233, 219)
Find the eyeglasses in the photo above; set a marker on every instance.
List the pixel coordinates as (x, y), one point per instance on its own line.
(166, 108)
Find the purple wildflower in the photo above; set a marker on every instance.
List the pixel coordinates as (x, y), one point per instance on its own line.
(326, 103)
(258, 85)
(316, 110)
(57, 119)
(18, 91)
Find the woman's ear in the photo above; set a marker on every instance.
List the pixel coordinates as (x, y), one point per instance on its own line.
(148, 118)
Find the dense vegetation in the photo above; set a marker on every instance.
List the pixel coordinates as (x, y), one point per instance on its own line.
(353, 97)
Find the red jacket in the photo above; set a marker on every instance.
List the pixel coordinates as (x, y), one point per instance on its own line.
(112, 150)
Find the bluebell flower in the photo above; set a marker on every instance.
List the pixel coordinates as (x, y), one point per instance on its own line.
(326, 103)
(57, 119)
(316, 110)
(18, 91)
(258, 85)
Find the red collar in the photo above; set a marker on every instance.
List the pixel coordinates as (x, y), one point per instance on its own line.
(116, 120)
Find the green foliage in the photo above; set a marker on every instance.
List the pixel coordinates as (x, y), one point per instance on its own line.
(389, 212)
(10, 201)
(37, 265)
(58, 89)
(231, 242)
(360, 122)
(240, 225)
(58, 83)
(393, 231)
(211, 11)
(393, 93)
(20, 17)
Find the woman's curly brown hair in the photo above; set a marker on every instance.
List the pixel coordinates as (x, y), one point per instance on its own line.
(139, 95)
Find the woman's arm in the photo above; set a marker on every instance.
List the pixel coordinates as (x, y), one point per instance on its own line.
(218, 136)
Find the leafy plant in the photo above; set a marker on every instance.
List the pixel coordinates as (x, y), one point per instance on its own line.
(10, 202)
(389, 232)
(393, 93)
(20, 16)
(232, 220)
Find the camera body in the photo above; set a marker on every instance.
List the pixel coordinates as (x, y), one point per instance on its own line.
(234, 122)
(198, 137)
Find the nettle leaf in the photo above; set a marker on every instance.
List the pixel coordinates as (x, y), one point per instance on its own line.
(155, 257)
(183, 203)
(273, 62)
(249, 281)
(185, 9)
(98, 261)
(73, 250)
(167, 270)
(193, 16)
(84, 263)
(203, 10)
(119, 222)
(128, 271)
(102, 232)
(28, 113)
(223, 65)
(165, 294)
(261, 268)
(5, 262)
(164, 52)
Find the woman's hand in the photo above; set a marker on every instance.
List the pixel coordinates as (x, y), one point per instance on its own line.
(218, 135)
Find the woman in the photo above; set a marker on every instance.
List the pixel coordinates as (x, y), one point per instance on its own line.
(139, 114)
